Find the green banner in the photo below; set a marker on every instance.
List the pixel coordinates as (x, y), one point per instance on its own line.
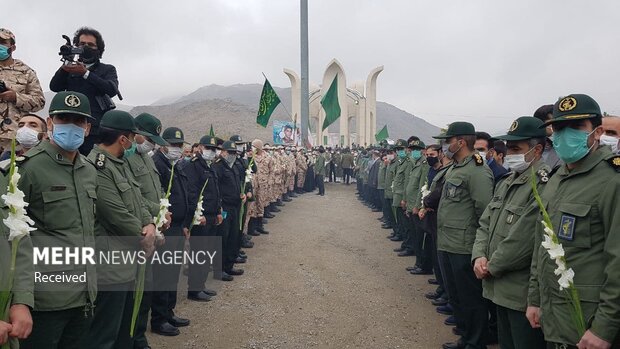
(269, 100)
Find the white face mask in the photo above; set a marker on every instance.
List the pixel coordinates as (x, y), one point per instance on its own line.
(174, 153)
(605, 140)
(240, 148)
(27, 137)
(483, 154)
(218, 152)
(517, 162)
(145, 147)
(208, 154)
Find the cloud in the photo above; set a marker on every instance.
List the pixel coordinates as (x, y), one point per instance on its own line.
(487, 62)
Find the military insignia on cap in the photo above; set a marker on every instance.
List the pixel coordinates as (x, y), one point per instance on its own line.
(544, 176)
(158, 129)
(567, 104)
(478, 158)
(72, 101)
(567, 228)
(177, 134)
(514, 126)
(212, 142)
(100, 163)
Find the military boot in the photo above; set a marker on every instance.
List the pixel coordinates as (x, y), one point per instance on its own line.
(260, 228)
(279, 203)
(252, 227)
(285, 198)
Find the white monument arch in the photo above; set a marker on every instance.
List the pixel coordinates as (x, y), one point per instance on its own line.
(358, 104)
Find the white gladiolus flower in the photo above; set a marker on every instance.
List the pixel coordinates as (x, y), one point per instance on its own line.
(18, 222)
(160, 220)
(198, 212)
(556, 251)
(548, 229)
(548, 243)
(561, 267)
(566, 280)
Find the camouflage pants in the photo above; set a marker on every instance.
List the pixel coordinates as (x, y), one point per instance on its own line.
(301, 178)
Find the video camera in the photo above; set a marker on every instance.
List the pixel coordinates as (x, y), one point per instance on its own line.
(69, 52)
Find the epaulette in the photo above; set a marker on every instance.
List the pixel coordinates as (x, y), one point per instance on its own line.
(543, 175)
(194, 159)
(614, 162)
(478, 159)
(100, 161)
(217, 160)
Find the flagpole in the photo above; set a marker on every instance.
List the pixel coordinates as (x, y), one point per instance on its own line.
(305, 90)
(282, 104)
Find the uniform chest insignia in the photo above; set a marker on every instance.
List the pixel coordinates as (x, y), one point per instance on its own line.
(478, 159)
(543, 175)
(100, 162)
(615, 162)
(510, 218)
(567, 228)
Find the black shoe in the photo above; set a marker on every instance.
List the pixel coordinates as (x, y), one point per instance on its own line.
(406, 253)
(279, 203)
(227, 277)
(166, 329)
(261, 229)
(178, 321)
(198, 296)
(268, 215)
(235, 271)
(457, 331)
(433, 282)
(380, 219)
(421, 272)
(254, 233)
(242, 253)
(210, 292)
(390, 236)
(450, 321)
(453, 345)
(386, 226)
(396, 238)
(432, 295)
(376, 210)
(400, 249)
(247, 244)
(240, 260)
(411, 268)
(445, 310)
(439, 302)
(287, 199)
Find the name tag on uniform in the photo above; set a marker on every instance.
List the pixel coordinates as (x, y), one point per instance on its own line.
(58, 188)
(567, 228)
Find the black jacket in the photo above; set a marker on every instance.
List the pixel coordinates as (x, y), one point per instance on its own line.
(229, 183)
(182, 212)
(100, 87)
(198, 171)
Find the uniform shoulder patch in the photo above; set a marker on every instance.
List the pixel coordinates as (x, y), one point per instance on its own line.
(194, 159)
(614, 162)
(100, 161)
(478, 159)
(543, 175)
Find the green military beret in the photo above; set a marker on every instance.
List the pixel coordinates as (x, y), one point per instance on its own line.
(69, 102)
(523, 128)
(237, 139)
(574, 107)
(229, 146)
(458, 128)
(209, 142)
(173, 135)
(401, 143)
(121, 121)
(416, 144)
(151, 125)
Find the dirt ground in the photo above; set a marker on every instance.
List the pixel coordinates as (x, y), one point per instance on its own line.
(326, 277)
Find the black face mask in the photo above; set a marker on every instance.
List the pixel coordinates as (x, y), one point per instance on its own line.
(89, 56)
(432, 160)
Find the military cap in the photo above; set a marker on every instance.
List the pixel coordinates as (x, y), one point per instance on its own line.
(525, 127)
(7, 35)
(151, 125)
(574, 107)
(416, 144)
(69, 102)
(401, 143)
(209, 142)
(458, 128)
(229, 146)
(173, 135)
(121, 121)
(258, 144)
(237, 139)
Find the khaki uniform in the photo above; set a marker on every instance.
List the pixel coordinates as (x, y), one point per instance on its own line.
(302, 168)
(260, 185)
(292, 169)
(23, 80)
(584, 211)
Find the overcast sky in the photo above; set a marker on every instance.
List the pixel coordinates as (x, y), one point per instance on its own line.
(487, 62)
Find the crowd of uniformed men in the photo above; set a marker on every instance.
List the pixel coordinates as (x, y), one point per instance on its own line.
(463, 207)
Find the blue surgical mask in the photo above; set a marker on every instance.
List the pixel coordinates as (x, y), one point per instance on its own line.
(571, 144)
(129, 152)
(416, 154)
(68, 136)
(4, 53)
(401, 154)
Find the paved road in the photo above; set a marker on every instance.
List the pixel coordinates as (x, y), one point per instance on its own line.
(326, 277)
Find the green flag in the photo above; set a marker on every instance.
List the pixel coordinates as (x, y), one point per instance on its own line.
(211, 132)
(269, 100)
(330, 104)
(383, 134)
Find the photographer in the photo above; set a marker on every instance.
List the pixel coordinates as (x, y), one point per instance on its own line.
(96, 80)
(20, 91)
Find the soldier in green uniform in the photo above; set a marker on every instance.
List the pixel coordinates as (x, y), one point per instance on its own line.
(502, 253)
(398, 190)
(144, 171)
(320, 170)
(582, 201)
(388, 194)
(123, 224)
(466, 193)
(60, 187)
(381, 184)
